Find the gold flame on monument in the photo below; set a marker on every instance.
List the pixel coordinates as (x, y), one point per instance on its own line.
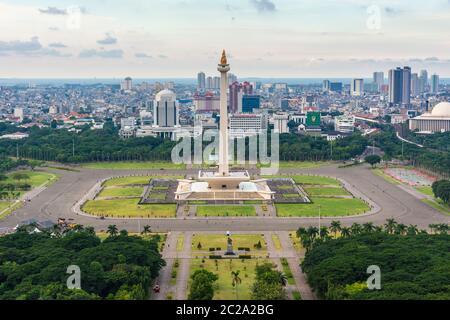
(223, 60)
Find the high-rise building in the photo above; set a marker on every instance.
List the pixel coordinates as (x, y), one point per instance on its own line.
(378, 79)
(326, 86)
(423, 81)
(231, 78)
(406, 86)
(216, 83)
(415, 84)
(201, 82)
(250, 103)
(237, 91)
(127, 84)
(357, 87)
(395, 86)
(434, 83)
(336, 86)
(209, 83)
(165, 111)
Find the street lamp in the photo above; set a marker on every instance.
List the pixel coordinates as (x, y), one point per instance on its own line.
(319, 220)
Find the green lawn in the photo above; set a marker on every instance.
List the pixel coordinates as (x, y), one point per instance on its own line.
(37, 178)
(325, 191)
(4, 205)
(133, 165)
(220, 241)
(296, 295)
(276, 241)
(121, 192)
(380, 173)
(224, 289)
(316, 180)
(287, 271)
(124, 208)
(226, 211)
(131, 181)
(329, 207)
(427, 190)
(180, 242)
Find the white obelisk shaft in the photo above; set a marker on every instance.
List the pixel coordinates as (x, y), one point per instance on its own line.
(223, 133)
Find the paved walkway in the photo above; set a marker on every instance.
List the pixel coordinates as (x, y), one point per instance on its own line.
(184, 268)
(165, 274)
(294, 264)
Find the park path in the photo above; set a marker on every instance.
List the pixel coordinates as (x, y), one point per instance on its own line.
(184, 268)
(168, 254)
(291, 255)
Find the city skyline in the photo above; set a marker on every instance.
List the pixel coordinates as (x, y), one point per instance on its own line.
(265, 38)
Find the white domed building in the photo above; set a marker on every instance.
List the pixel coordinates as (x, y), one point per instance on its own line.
(436, 121)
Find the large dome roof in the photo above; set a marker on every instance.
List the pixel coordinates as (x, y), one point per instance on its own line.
(441, 110)
(165, 93)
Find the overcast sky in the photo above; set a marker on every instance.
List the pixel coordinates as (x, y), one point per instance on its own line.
(178, 38)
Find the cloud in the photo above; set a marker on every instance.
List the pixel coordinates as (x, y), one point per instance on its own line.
(264, 5)
(432, 59)
(54, 53)
(21, 46)
(393, 11)
(92, 53)
(142, 55)
(107, 40)
(53, 28)
(57, 45)
(54, 11)
(162, 56)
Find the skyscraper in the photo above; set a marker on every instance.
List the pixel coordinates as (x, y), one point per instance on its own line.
(378, 79)
(201, 82)
(423, 81)
(395, 86)
(357, 87)
(434, 83)
(209, 83)
(165, 111)
(406, 86)
(237, 90)
(415, 84)
(127, 84)
(326, 86)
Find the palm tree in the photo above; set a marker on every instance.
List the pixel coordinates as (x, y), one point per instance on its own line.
(433, 227)
(378, 228)
(368, 227)
(356, 228)
(312, 232)
(112, 230)
(442, 228)
(335, 227)
(147, 229)
(400, 229)
(345, 232)
(236, 280)
(323, 232)
(282, 279)
(390, 225)
(78, 228)
(412, 230)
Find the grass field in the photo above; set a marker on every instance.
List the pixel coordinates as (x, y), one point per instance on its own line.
(224, 289)
(296, 295)
(220, 241)
(287, 271)
(124, 208)
(297, 164)
(327, 192)
(427, 190)
(132, 181)
(276, 242)
(180, 242)
(329, 207)
(133, 165)
(316, 180)
(4, 205)
(37, 178)
(122, 192)
(226, 211)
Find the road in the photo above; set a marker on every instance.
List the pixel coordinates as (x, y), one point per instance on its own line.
(393, 202)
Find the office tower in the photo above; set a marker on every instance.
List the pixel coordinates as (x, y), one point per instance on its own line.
(326, 86)
(415, 84)
(231, 78)
(237, 90)
(165, 111)
(127, 84)
(209, 83)
(434, 83)
(216, 82)
(250, 103)
(357, 87)
(378, 79)
(395, 86)
(406, 86)
(336, 86)
(201, 83)
(423, 81)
